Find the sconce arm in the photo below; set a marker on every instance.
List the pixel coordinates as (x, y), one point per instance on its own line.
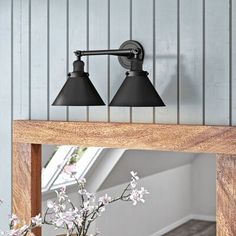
(129, 53)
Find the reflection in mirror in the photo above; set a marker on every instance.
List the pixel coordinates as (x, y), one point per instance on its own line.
(181, 185)
(60, 161)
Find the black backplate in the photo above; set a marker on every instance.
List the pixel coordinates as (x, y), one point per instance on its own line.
(130, 44)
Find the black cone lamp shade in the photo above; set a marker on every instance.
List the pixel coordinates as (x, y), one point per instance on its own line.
(137, 91)
(78, 89)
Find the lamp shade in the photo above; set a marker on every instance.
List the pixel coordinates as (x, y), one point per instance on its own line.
(137, 91)
(78, 91)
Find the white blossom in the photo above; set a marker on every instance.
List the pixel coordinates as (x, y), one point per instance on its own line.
(37, 220)
(134, 175)
(66, 218)
(14, 220)
(61, 195)
(105, 199)
(24, 229)
(134, 179)
(102, 209)
(86, 193)
(50, 204)
(79, 220)
(82, 181)
(88, 207)
(137, 195)
(17, 232)
(13, 217)
(133, 184)
(70, 169)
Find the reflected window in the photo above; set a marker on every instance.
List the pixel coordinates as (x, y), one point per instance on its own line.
(65, 160)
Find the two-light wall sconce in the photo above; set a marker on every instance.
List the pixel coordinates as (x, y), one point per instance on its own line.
(136, 90)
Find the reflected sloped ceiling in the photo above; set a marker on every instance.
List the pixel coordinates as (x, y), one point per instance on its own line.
(146, 163)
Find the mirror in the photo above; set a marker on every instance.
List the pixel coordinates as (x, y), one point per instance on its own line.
(182, 189)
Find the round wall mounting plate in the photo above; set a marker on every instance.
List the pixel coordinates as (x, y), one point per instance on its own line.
(130, 44)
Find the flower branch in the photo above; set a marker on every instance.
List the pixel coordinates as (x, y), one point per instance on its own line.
(62, 213)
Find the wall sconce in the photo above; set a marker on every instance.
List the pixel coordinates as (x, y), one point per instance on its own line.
(136, 90)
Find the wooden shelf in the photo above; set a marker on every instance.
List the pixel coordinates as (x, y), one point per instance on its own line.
(28, 136)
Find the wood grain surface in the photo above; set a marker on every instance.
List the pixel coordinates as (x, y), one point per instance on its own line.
(185, 138)
(29, 135)
(27, 181)
(226, 195)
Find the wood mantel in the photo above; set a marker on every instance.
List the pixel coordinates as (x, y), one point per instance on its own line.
(184, 138)
(29, 135)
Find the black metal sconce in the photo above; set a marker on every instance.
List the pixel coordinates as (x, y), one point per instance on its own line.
(136, 90)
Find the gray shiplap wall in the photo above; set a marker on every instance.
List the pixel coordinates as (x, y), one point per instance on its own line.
(190, 55)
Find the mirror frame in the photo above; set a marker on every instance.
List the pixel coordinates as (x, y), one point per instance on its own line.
(28, 137)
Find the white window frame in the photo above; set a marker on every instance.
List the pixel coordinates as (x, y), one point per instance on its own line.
(57, 163)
